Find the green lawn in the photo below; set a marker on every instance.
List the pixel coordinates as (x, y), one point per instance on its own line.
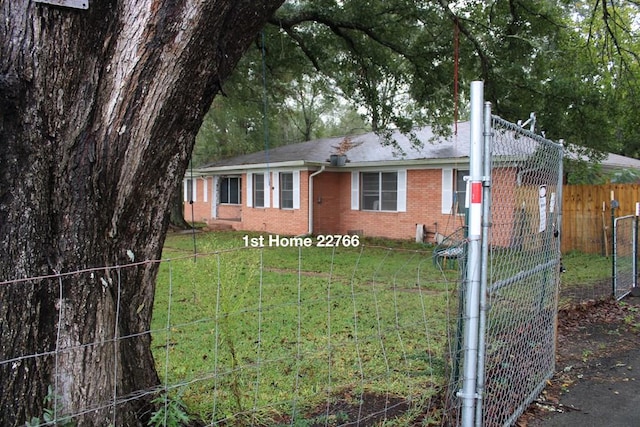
(584, 269)
(269, 333)
(266, 335)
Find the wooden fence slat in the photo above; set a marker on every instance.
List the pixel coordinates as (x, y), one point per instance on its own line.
(584, 223)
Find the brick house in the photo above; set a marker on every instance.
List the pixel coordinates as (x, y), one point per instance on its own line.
(382, 190)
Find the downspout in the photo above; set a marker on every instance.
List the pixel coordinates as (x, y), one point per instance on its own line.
(311, 198)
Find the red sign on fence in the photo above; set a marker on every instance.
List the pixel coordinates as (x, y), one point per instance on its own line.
(476, 192)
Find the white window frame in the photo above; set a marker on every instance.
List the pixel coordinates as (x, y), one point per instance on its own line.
(194, 189)
(277, 191)
(222, 182)
(267, 189)
(401, 190)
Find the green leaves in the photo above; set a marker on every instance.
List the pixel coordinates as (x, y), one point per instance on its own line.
(171, 412)
(576, 64)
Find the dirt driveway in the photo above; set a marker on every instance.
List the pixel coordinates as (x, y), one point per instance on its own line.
(597, 380)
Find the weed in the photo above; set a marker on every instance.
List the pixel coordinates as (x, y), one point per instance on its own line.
(300, 420)
(171, 412)
(52, 403)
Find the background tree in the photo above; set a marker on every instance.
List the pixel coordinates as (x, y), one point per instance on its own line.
(575, 64)
(99, 109)
(283, 93)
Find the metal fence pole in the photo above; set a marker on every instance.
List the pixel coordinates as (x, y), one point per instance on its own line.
(472, 306)
(559, 203)
(614, 205)
(634, 253)
(484, 274)
(635, 290)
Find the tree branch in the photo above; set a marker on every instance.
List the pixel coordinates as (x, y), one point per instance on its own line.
(338, 27)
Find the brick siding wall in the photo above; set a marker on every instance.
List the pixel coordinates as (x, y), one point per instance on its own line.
(277, 220)
(201, 209)
(332, 213)
(424, 206)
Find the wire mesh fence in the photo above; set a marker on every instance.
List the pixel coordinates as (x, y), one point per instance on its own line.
(624, 255)
(277, 336)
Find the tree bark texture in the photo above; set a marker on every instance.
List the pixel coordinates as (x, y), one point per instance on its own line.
(176, 210)
(99, 109)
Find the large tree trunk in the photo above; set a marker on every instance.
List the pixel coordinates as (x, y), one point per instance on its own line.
(99, 110)
(176, 210)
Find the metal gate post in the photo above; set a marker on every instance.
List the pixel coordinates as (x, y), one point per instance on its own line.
(614, 205)
(634, 289)
(634, 253)
(484, 278)
(472, 306)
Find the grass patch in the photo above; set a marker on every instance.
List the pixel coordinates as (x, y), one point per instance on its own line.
(273, 336)
(585, 269)
(264, 335)
(587, 277)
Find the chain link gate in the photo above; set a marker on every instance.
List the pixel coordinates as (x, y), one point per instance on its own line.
(512, 272)
(624, 255)
(524, 267)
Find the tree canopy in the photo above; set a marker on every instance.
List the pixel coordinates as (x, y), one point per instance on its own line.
(402, 63)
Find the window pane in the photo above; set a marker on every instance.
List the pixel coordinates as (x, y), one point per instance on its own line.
(190, 190)
(389, 191)
(234, 191)
(389, 181)
(230, 190)
(461, 190)
(389, 201)
(258, 190)
(370, 191)
(286, 190)
(380, 191)
(224, 190)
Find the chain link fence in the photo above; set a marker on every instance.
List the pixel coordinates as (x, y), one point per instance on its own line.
(524, 267)
(624, 255)
(513, 282)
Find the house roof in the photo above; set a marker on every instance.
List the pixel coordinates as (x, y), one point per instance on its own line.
(367, 149)
(370, 149)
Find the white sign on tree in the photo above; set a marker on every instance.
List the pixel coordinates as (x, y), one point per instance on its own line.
(76, 4)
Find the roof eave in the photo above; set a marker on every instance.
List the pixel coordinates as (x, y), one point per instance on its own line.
(302, 164)
(252, 166)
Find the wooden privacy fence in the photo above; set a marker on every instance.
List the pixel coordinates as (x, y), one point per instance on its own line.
(586, 215)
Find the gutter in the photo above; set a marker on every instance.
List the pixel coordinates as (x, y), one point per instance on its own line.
(311, 198)
(249, 166)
